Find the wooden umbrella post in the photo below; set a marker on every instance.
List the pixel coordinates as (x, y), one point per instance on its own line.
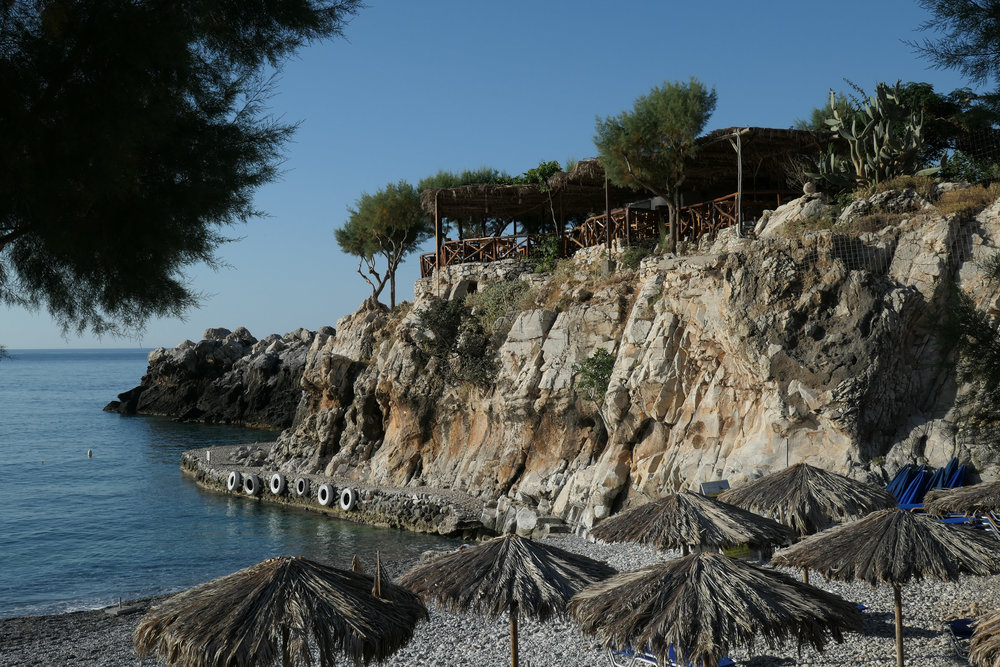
(805, 575)
(286, 655)
(513, 634)
(898, 598)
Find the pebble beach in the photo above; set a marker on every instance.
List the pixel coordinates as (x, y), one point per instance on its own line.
(101, 638)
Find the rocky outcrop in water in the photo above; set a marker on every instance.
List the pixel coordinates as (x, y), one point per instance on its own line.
(229, 377)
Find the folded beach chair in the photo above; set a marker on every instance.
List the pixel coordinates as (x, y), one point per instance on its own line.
(631, 658)
(913, 497)
(958, 478)
(960, 633)
(902, 480)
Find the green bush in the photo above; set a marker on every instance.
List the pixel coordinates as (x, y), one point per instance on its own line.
(460, 341)
(496, 300)
(595, 374)
(546, 254)
(633, 255)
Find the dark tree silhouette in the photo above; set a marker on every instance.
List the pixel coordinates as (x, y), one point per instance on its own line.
(134, 132)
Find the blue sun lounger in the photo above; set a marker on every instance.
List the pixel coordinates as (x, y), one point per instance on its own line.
(960, 633)
(631, 658)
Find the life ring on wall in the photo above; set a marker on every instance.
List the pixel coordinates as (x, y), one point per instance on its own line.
(348, 499)
(301, 487)
(235, 481)
(326, 494)
(277, 484)
(252, 485)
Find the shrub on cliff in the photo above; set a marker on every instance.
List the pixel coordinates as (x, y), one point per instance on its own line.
(495, 300)
(458, 339)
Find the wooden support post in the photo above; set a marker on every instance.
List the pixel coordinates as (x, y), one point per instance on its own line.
(607, 215)
(898, 599)
(628, 227)
(437, 234)
(513, 635)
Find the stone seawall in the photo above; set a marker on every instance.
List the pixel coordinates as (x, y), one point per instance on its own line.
(444, 512)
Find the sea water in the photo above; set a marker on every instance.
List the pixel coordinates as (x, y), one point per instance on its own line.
(80, 532)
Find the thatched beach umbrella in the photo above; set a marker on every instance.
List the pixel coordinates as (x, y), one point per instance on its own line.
(280, 609)
(704, 605)
(808, 499)
(964, 499)
(892, 547)
(686, 520)
(985, 650)
(508, 574)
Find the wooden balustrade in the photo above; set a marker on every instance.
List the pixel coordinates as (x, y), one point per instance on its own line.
(632, 225)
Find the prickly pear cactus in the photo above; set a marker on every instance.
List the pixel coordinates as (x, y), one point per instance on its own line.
(884, 136)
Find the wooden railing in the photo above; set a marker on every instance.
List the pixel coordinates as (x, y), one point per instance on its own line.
(488, 249)
(631, 225)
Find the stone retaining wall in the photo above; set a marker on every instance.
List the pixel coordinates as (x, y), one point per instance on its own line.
(408, 509)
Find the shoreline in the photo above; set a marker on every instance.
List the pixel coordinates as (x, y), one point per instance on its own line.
(97, 638)
(445, 512)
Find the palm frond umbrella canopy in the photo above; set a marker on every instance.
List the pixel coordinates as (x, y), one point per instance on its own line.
(685, 520)
(892, 547)
(704, 605)
(508, 574)
(983, 497)
(808, 499)
(279, 611)
(985, 649)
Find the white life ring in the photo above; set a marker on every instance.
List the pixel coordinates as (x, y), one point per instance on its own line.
(348, 499)
(302, 487)
(252, 485)
(326, 494)
(235, 481)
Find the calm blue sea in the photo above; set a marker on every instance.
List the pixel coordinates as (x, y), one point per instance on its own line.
(79, 532)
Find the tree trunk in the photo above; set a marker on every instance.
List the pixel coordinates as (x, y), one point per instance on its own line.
(392, 289)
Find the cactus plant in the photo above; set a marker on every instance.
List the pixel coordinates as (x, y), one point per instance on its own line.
(884, 137)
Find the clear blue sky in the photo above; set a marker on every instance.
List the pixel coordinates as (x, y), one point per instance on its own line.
(421, 86)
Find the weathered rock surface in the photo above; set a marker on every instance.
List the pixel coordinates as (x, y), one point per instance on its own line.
(732, 360)
(228, 377)
(728, 364)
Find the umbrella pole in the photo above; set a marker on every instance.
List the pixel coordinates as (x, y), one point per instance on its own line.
(286, 655)
(805, 575)
(898, 598)
(513, 634)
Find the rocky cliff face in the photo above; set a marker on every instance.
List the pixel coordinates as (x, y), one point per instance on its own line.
(731, 360)
(228, 377)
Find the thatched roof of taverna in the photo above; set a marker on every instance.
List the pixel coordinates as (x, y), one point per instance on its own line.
(581, 190)
(704, 605)
(808, 499)
(578, 191)
(892, 547)
(283, 605)
(690, 520)
(487, 579)
(983, 497)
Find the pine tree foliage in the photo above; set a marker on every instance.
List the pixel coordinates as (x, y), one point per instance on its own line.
(135, 132)
(646, 148)
(382, 229)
